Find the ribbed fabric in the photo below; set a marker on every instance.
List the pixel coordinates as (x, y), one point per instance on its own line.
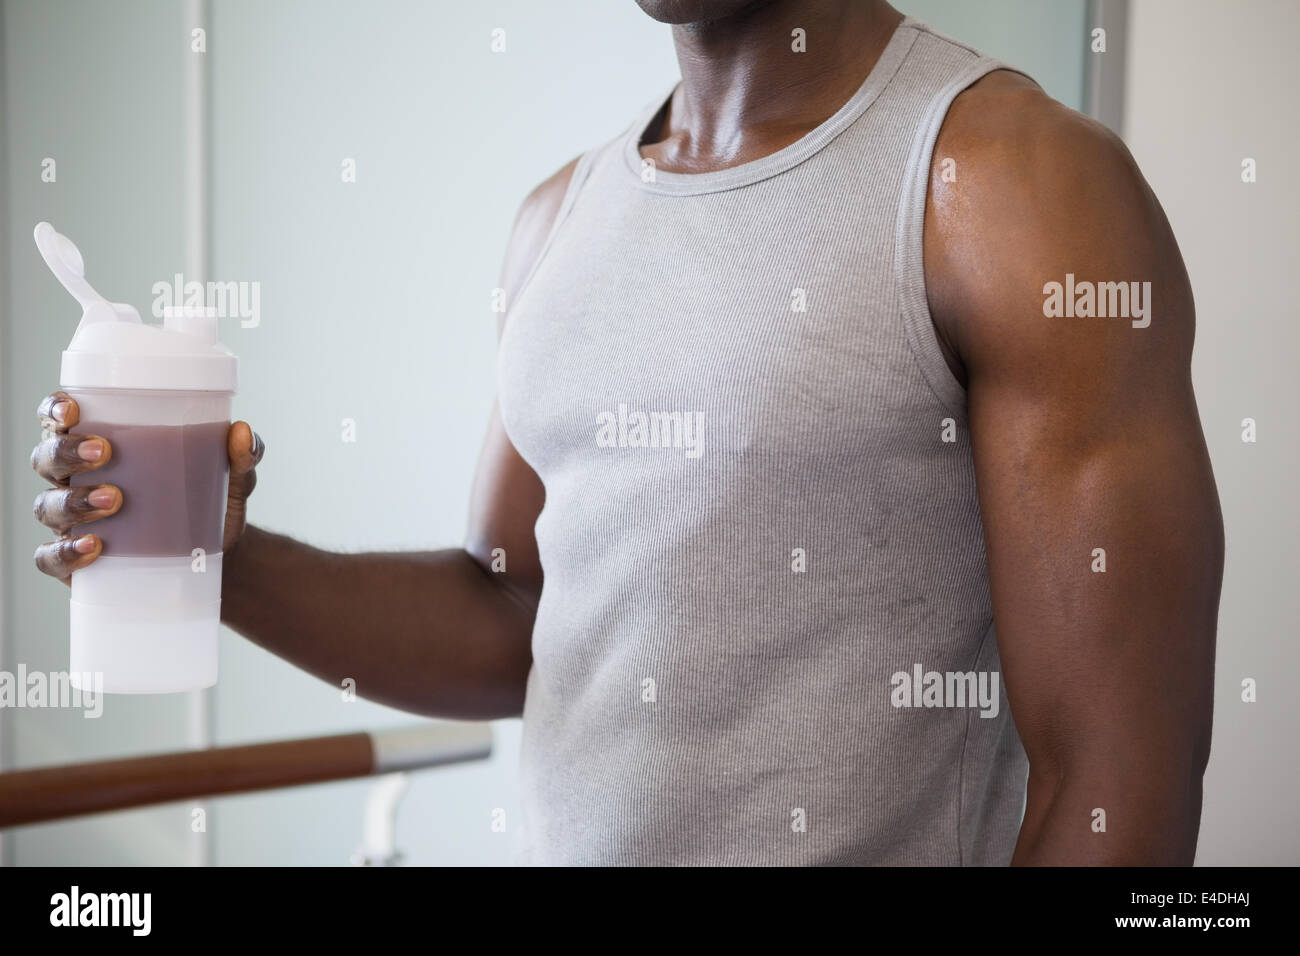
(695, 698)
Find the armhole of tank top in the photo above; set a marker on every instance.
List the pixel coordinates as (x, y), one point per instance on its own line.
(909, 264)
(580, 171)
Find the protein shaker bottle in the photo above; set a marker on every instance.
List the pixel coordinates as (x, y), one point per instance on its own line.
(146, 614)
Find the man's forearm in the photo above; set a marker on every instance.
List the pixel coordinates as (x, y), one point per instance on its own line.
(429, 632)
(1110, 817)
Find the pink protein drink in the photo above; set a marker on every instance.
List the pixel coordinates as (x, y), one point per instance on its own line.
(147, 613)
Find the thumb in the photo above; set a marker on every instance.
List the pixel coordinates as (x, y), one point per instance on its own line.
(245, 449)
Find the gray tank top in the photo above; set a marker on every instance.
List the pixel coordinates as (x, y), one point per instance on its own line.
(765, 623)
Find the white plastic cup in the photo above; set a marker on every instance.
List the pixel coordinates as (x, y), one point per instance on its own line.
(146, 614)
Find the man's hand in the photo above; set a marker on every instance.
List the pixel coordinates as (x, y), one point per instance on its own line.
(62, 454)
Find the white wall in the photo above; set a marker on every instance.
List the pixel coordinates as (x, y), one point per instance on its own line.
(1211, 83)
(1045, 38)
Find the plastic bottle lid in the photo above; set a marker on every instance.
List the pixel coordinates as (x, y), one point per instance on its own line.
(113, 348)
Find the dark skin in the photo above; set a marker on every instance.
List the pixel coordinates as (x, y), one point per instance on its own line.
(1085, 435)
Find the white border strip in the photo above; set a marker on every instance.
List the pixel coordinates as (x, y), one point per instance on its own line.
(1104, 74)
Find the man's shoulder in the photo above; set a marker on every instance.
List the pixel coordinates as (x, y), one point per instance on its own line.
(1012, 135)
(1035, 191)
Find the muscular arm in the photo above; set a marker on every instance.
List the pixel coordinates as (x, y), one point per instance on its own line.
(438, 632)
(1085, 436)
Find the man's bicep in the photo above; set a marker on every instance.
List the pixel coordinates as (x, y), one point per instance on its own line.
(1104, 556)
(1104, 550)
(506, 501)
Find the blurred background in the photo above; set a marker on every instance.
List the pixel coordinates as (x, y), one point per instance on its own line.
(376, 307)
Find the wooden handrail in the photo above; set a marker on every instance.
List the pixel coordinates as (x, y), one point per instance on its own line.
(53, 793)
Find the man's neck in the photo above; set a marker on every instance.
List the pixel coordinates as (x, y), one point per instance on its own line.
(746, 92)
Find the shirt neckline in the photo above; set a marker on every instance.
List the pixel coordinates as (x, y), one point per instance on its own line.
(733, 177)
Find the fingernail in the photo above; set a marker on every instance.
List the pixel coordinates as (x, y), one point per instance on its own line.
(91, 450)
(85, 544)
(60, 412)
(102, 497)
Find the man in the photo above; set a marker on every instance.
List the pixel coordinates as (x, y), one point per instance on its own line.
(855, 382)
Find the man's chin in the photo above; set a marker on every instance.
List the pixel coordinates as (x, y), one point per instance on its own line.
(695, 11)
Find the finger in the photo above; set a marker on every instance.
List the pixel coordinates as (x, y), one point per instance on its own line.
(245, 448)
(60, 558)
(59, 457)
(58, 412)
(62, 509)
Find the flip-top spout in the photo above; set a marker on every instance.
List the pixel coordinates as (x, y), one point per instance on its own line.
(64, 259)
